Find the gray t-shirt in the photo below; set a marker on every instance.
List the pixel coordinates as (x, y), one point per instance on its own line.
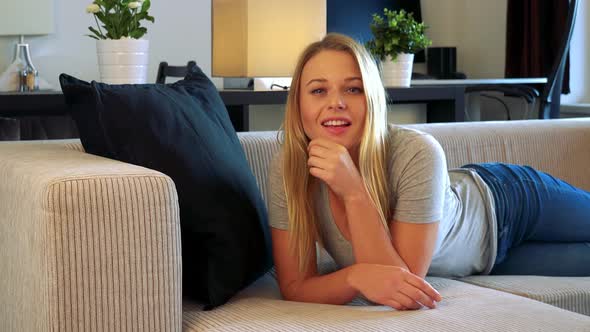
(423, 191)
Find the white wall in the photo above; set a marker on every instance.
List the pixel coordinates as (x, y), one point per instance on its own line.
(579, 67)
(183, 31)
(476, 27)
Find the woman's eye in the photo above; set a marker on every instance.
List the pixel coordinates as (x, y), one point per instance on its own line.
(317, 91)
(355, 90)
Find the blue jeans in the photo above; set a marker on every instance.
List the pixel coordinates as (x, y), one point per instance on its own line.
(543, 222)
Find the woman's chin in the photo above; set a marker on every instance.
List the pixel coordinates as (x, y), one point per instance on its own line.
(344, 141)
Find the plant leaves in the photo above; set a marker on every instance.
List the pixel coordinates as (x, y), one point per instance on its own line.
(118, 20)
(396, 32)
(96, 32)
(145, 6)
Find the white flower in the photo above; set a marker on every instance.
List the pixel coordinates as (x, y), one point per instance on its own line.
(134, 5)
(92, 8)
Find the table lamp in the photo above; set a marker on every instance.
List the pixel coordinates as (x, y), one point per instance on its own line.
(23, 18)
(262, 39)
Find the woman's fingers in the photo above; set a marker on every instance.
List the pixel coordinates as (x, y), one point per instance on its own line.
(419, 296)
(412, 298)
(406, 301)
(394, 304)
(322, 142)
(424, 286)
(317, 162)
(318, 173)
(394, 286)
(317, 151)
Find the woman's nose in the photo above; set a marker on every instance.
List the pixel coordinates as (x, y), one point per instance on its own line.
(337, 102)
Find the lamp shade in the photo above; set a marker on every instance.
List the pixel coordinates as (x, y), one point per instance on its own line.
(263, 38)
(26, 17)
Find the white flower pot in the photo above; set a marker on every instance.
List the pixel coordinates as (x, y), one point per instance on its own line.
(123, 61)
(397, 73)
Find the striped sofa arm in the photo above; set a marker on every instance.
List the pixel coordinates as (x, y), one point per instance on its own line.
(86, 243)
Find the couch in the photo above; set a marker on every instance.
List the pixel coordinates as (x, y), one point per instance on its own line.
(93, 244)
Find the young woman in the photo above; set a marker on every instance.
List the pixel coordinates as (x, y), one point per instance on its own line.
(380, 200)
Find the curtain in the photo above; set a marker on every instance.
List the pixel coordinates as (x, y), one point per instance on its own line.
(534, 32)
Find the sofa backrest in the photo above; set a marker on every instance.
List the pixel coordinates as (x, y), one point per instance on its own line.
(559, 147)
(260, 147)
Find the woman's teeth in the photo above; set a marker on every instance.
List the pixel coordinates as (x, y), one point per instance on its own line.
(335, 123)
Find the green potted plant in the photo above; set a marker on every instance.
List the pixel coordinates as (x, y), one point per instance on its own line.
(396, 37)
(122, 53)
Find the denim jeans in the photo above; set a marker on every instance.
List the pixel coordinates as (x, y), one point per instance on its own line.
(543, 222)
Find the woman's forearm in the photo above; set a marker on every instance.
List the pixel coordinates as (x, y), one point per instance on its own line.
(331, 288)
(370, 239)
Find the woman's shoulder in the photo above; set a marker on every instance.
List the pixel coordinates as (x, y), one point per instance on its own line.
(403, 139)
(276, 163)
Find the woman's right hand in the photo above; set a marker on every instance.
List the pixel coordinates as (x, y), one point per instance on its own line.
(393, 286)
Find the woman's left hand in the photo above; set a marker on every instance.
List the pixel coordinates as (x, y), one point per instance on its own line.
(331, 163)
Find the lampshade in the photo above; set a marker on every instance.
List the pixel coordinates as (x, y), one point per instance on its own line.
(254, 38)
(26, 17)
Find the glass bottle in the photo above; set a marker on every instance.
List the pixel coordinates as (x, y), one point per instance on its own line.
(28, 74)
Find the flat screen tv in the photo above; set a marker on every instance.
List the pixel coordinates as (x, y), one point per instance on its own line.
(352, 17)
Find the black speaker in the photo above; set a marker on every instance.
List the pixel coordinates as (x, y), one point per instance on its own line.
(441, 62)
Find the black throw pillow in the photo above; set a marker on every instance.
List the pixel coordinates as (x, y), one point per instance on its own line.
(79, 97)
(183, 130)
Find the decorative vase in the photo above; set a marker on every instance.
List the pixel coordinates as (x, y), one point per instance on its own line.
(122, 61)
(28, 76)
(397, 73)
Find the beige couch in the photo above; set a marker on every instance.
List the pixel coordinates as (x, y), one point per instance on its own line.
(92, 244)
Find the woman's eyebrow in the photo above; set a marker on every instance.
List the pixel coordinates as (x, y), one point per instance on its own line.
(319, 80)
(353, 79)
(323, 80)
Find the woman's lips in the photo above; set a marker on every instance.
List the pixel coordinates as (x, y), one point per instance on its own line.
(336, 130)
(336, 125)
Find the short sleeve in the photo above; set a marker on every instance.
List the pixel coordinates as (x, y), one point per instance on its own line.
(278, 216)
(419, 179)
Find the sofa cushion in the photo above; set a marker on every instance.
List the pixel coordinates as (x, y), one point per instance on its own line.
(183, 130)
(570, 293)
(464, 308)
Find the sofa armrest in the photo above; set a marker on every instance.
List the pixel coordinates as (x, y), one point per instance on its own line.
(86, 243)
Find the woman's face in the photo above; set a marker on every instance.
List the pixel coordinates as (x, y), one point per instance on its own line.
(332, 100)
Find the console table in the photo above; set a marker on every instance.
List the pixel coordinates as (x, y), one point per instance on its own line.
(445, 100)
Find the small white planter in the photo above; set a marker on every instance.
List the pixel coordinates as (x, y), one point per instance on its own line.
(123, 61)
(397, 73)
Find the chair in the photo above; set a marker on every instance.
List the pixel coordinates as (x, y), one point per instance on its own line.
(165, 70)
(549, 98)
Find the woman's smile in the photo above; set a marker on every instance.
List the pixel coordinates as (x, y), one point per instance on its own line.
(336, 125)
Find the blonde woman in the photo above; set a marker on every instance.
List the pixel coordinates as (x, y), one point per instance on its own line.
(379, 198)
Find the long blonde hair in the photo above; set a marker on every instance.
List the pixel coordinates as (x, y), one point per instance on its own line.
(299, 185)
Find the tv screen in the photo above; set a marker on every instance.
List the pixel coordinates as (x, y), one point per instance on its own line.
(352, 17)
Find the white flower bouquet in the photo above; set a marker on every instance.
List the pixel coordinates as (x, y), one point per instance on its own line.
(119, 18)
